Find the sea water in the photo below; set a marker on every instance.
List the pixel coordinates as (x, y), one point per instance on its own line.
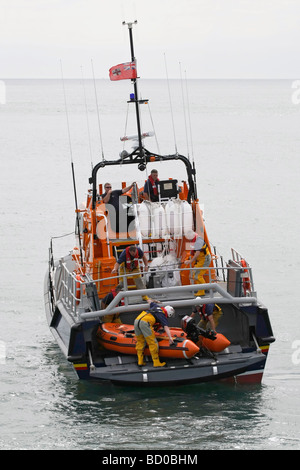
(244, 139)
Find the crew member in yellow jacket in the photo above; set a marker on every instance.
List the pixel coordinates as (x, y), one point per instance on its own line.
(143, 328)
(200, 258)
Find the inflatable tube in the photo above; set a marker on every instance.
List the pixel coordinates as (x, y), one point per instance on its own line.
(121, 338)
(216, 345)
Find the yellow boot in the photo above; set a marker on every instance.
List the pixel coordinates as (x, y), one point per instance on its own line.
(140, 345)
(153, 347)
(141, 361)
(157, 363)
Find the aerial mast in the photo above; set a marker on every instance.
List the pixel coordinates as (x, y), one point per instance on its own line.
(134, 81)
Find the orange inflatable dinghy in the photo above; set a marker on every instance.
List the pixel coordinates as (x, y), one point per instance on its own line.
(216, 345)
(121, 338)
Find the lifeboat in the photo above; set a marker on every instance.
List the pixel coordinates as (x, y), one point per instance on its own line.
(121, 338)
(161, 230)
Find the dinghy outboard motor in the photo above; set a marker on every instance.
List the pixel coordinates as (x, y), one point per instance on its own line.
(193, 331)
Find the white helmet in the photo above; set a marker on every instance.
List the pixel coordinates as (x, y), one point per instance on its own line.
(170, 311)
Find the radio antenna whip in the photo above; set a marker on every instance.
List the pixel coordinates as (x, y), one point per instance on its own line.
(183, 103)
(72, 165)
(189, 116)
(98, 115)
(171, 105)
(87, 117)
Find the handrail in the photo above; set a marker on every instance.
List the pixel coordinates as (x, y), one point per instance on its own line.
(70, 289)
(113, 307)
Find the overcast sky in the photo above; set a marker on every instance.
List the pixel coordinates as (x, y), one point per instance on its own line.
(210, 38)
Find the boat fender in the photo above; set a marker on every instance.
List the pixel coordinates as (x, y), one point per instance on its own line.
(187, 217)
(174, 217)
(159, 225)
(144, 213)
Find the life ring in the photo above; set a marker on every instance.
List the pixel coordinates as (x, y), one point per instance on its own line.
(78, 289)
(246, 279)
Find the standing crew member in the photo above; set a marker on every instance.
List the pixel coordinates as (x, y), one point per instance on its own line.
(151, 187)
(129, 262)
(143, 328)
(200, 258)
(112, 199)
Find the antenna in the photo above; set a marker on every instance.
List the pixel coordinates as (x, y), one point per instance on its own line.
(72, 165)
(189, 116)
(176, 151)
(183, 102)
(98, 115)
(134, 80)
(87, 117)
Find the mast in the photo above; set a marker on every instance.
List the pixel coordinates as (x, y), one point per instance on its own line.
(134, 81)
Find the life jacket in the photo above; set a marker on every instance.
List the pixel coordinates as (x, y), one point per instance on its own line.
(131, 263)
(154, 187)
(204, 314)
(146, 316)
(157, 325)
(149, 317)
(114, 293)
(204, 248)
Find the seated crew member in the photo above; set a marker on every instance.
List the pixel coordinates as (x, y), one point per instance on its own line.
(114, 318)
(200, 258)
(151, 187)
(129, 262)
(143, 328)
(112, 197)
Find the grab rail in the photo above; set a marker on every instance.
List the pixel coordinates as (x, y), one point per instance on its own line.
(113, 307)
(71, 290)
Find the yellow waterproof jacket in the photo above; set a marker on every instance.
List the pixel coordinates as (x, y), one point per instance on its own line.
(148, 317)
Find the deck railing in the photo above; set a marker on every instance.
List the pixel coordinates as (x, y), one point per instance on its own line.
(71, 290)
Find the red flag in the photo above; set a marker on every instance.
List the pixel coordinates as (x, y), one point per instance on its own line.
(123, 71)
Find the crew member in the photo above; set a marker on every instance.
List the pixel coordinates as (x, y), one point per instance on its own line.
(129, 262)
(112, 198)
(143, 328)
(200, 258)
(209, 315)
(115, 318)
(151, 187)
